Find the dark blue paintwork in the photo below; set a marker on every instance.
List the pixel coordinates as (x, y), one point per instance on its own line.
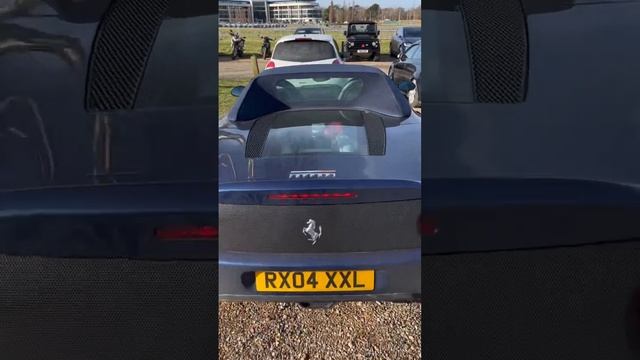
(256, 193)
(112, 199)
(506, 214)
(383, 97)
(399, 162)
(572, 142)
(579, 121)
(529, 198)
(392, 178)
(106, 221)
(50, 143)
(502, 191)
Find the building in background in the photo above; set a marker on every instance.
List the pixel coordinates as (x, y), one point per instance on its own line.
(295, 11)
(235, 11)
(269, 11)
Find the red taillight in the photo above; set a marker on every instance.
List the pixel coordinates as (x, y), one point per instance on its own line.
(428, 226)
(187, 233)
(270, 65)
(312, 196)
(336, 61)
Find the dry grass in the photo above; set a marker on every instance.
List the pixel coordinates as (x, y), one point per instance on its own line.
(253, 43)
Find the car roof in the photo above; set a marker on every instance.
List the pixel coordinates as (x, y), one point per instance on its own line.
(332, 68)
(318, 37)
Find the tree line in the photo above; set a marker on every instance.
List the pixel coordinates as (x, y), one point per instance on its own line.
(336, 14)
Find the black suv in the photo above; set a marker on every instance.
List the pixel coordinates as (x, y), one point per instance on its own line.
(362, 41)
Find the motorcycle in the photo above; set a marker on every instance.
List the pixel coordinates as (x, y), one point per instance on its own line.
(402, 49)
(237, 45)
(266, 46)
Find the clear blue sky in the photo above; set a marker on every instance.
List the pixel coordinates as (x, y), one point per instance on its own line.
(366, 3)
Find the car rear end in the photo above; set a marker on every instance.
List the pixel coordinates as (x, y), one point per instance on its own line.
(411, 35)
(322, 206)
(532, 179)
(362, 41)
(299, 50)
(363, 46)
(108, 206)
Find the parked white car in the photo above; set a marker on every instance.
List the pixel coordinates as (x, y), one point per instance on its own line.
(304, 49)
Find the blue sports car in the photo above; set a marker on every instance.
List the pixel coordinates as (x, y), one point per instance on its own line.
(319, 170)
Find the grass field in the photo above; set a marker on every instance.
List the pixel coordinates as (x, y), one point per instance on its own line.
(253, 43)
(225, 99)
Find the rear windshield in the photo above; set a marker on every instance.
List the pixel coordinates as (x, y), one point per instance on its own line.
(319, 89)
(362, 28)
(308, 31)
(304, 51)
(412, 32)
(318, 137)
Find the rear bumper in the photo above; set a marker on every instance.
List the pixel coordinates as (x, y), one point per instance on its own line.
(369, 53)
(397, 275)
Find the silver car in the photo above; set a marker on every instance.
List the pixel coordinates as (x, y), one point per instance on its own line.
(403, 37)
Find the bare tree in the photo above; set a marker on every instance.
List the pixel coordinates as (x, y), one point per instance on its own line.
(374, 12)
(331, 15)
(354, 12)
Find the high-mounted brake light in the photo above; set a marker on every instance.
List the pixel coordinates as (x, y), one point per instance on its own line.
(312, 196)
(428, 226)
(270, 65)
(187, 233)
(303, 39)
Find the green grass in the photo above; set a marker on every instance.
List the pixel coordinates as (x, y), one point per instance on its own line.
(225, 99)
(253, 43)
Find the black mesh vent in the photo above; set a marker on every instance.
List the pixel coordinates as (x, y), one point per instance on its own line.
(121, 48)
(497, 36)
(78, 309)
(344, 220)
(563, 303)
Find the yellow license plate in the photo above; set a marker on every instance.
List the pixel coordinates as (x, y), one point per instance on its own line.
(315, 281)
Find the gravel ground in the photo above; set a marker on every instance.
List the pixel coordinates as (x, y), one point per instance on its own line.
(355, 330)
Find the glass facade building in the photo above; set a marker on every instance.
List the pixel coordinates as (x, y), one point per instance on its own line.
(269, 11)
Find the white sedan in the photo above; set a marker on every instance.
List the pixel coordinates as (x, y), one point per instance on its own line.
(304, 49)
